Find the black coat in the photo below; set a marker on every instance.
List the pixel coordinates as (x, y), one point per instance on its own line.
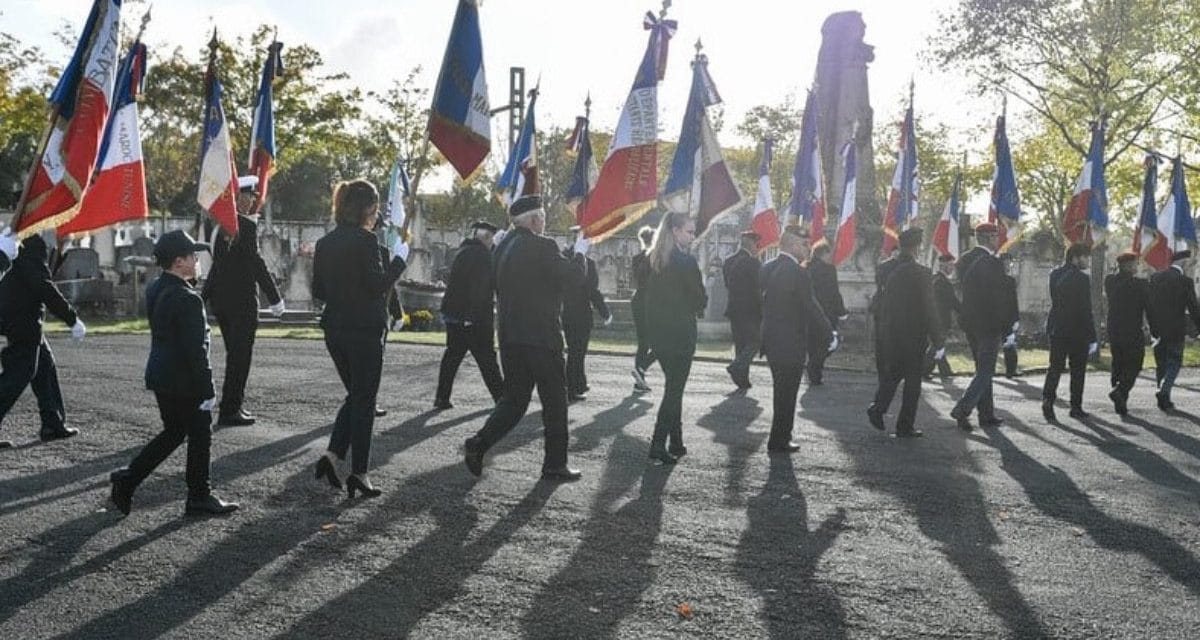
(675, 297)
(908, 321)
(740, 272)
(237, 267)
(1128, 305)
(1070, 305)
(1172, 295)
(1012, 308)
(984, 307)
(946, 299)
(531, 275)
(26, 292)
(470, 293)
(641, 273)
(825, 288)
(349, 276)
(179, 337)
(882, 271)
(791, 314)
(578, 302)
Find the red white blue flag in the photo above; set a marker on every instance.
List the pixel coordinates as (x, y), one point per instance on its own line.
(118, 190)
(766, 220)
(627, 186)
(808, 185)
(519, 176)
(946, 237)
(218, 184)
(79, 105)
(1175, 217)
(1149, 241)
(585, 172)
(262, 147)
(1087, 213)
(902, 201)
(1005, 207)
(843, 246)
(460, 120)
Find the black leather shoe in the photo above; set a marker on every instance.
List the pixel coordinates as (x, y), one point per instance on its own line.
(562, 474)
(5, 444)
(442, 405)
(380, 413)
(962, 421)
(58, 434)
(474, 457)
(678, 452)
(122, 492)
(239, 419)
(875, 417)
(1048, 412)
(788, 447)
(209, 505)
(1163, 403)
(325, 469)
(354, 483)
(990, 421)
(903, 434)
(1118, 403)
(1078, 413)
(661, 456)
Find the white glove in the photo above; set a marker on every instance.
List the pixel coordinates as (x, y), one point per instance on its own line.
(8, 243)
(398, 324)
(400, 249)
(1093, 348)
(277, 308)
(208, 405)
(1154, 340)
(582, 245)
(78, 330)
(833, 344)
(498, 236)
(608, 320)
(843, 316)
(940, 355)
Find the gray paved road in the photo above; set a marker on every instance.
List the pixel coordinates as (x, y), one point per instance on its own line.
(1085, 530)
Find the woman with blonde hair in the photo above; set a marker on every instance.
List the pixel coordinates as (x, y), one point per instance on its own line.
(350, 277)
(674, 298)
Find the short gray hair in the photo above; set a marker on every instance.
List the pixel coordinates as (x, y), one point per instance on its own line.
(526, 219)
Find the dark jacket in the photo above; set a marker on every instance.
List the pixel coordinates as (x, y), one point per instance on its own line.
(826, 290)
(237, 267)
(641, 272)
(178, 363)
(470, 293)
(1012, 307)
(740, 272)
(882, 271)
(674, 298)
(1070, 305)
(531, 275)
(578, 302)
(946, 299)
(1128, 305)
(349, 276)
(984, 309)
(1172, 295)
(908, 321)
(27, 291)
(791, 314)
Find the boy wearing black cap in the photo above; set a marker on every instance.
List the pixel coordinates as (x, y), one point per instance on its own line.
(1128, 304)
(1172, 299)
(179, 374)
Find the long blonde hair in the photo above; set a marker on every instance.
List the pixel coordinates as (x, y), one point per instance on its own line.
(664, 239)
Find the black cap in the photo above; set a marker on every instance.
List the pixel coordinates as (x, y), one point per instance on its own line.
(174, 244)
(485, 225)
(911, 237)
(1181, 255)
(524, 204)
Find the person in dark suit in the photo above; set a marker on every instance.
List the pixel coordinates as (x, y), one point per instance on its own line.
(531, 276)
(882, 271)
(1071, 329)
(641, 271)
(908, 327)
(1013, 313)
(1172, 301)
(1128, 309)
(237, 271)
(675, 298)
(26, 292)
(985, 321)
(352, 281)
(744, 309)
(577, 306)
(179, 374)
(829, 295)
(792, 319)
(948, 309)
(468, 311)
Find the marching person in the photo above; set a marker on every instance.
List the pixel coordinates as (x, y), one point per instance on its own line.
(231, 288)
(353, 282)
(641, 271)
(985, 321)
(676, 296)
(791, 319)
(829, 295)
(26, 292)
(1012, 311)
(1070, 328)
(468, 311)
(908, 329)
(1128, 309)
(1172, 300)
(577, 305)
(744, 309)
(882, 271)
(179, 374)
(531, 275)
(948, 308)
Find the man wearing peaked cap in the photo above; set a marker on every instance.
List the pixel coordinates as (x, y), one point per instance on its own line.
(179, 374)
(231, 288)
(577, 320)
(744, 309)
(985, 321)
(1172, 301)
(1128, 311)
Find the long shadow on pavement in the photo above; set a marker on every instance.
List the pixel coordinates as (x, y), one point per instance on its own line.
(730, 421)
(1142, 461)
(609, 422)
(1180, 441)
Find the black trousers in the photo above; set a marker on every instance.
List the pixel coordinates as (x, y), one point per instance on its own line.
(984, 349)
(1127, 361)
(644, 356)
(525, 368)
(31, 364)
(182, 420)
(668, 426)
(880, 357)
(1010, 361)
(905, 367)
(237, 331)
(785, 379)
(479, 340)
(578, 337)
(747, 340)
(1062, 352)
(358, 357)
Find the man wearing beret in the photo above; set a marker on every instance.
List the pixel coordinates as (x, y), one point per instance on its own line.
(179, 374)
(1071, 329)
(531, 275)
(744, 309)
(1128, 309)
(1172, 300)
(985, 321)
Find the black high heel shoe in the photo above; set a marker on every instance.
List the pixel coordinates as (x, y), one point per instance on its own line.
(353, 483)
(326, 470)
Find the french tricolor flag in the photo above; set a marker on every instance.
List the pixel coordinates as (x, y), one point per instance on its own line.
(1175, 217)
(946, 236)
(218, 185)
(515, 181)
(1148, 240)
(843, 246)
(460, 123)
(1087, 213)
(766, 220)
(1005, 206)
(808, 185)
(902, 201)
(79, 114)
(118, 190)
(585, 172)
(262, 147)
